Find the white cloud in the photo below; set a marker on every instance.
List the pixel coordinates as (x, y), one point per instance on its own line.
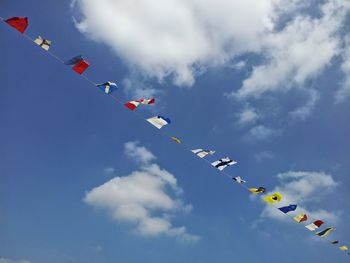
(290, 52)
(344, 92)
(261, 132)
(7, 260)
(138, 153)
(306, 110)
(181, 37)
(146, 198)
(304, 189)
(247, 116)
(178, 38)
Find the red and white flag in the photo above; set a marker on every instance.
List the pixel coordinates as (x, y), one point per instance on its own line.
(132, 105)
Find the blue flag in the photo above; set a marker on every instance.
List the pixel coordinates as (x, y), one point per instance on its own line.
(74, 60)
(289, 208)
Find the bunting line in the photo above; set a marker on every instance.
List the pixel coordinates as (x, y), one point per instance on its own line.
(272, 200)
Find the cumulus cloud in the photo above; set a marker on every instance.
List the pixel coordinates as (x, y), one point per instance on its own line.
(178, 38)
(247, 116)
(146, 198)
(303, 188)
(7, 260)
(138, 153)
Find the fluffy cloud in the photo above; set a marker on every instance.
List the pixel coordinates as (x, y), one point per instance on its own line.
(303, 188)
(6, 260)
(138, 153)
(146, 198)
(290, 52)
(177, 38)
(247, 116)
(344, 92)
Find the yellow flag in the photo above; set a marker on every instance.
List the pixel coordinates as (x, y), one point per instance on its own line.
(300, 218)
(175, 139)
(270, 199)
(343, 248)
(259, 190)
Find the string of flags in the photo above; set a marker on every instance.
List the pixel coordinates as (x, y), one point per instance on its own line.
(79, 65)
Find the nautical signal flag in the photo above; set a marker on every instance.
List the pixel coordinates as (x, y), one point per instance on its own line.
(177, 140)
(300, 218)
(325, 232)
(44, 43)
(238, 179)
(202, 153)
(19, 23)
(159, 121)
(79, 65)
(221, 164)
(287, 209)
(132, 105)
(270, 199)
(313, 226)
(259, 190)
(344, 248)
(107, 87)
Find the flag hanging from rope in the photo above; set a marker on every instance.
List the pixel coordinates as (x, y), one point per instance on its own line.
(175, 139)
(300, 218)
(44, 43)
(108, 87)
(325, 232)
(19, 23)
(270, 199)
(259, 190)
(78, 63)
(202, 153)
(132, 105)
(238, 179)
(159, 121)
(287, 209)
(313, 226)
(221, 164)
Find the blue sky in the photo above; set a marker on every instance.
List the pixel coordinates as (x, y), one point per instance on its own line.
(268, 88)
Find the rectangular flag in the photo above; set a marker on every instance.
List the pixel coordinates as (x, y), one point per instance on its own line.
(132, 105)
(325, 232)
(44, 43)
(202, 153)
(313, 226)
(287, 209)
(221, 164)
(300, 218)
(159, 121)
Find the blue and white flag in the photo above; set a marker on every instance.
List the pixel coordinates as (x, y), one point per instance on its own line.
(108, 87)
(159, 121)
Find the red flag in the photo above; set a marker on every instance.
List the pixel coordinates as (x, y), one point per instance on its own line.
(19, 23)
(81, 66)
